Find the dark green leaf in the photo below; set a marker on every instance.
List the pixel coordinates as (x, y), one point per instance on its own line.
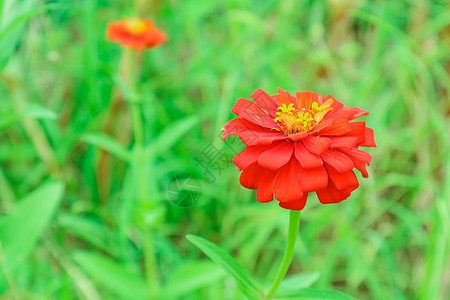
(246, 283)
(309, 293)
(298, 281)
(22, 228)
(192, 276)
(112, 275)
(107, 143)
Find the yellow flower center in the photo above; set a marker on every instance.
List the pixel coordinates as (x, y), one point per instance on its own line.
(291, 120)
(135, 26)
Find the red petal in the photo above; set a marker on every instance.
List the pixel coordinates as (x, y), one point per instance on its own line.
(277, 156)
(249, 156)
(265, 101)
(332, 195)
(369, 138)
(360, 159)
(253, 138)
(313, 179)
(249, 177)
(360, 166)
(296, 205)
(322, 125)
(359, 154)
(357, 130)
(298, 136)
(254, 114)
(348, 113)
(287, 187)
(238, 126)
(341, 162)
(240, 104)
(305, 99)
(336, 105)
(339, 127)
(343, 142)
(266, 185)
(358, 112)
(342, 180)
(284, 97)
(317, 145)
(307, 159)
(343, 113)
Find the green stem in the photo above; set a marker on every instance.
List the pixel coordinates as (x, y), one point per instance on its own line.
(139, 169)
(294, 220)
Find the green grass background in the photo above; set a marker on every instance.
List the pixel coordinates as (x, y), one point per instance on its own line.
(64, 125)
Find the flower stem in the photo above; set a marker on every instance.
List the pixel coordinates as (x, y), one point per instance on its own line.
(139, 169)
(294, 220)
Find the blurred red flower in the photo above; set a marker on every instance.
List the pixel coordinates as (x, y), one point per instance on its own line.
(135, 33)
(297, 145)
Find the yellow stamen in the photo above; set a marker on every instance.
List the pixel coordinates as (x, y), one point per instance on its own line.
(135, 25)
(292, 121)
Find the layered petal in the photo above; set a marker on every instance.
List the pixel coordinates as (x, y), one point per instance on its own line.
(284, 97)
(339, 161)
(296, 205)
(360, 159)
(287, 187)
(305, 99)
(316, 145)
(249, 177)
(298, 145)
(239, 126)
(256, 115)
(369, 140)
(339, 127)
(342, 181)
(332, 195)
(265, 101)
(313, 179)
(343, 142)
(277, 156)
(307, 159)
(254, 138)
(357, 130)
(240, 104)
(266, 185)
(249, 156)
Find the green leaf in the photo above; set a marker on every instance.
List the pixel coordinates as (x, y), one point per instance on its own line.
(107, 143)
(173, 133)
(20, 20)
(7, 120)
(39, 112)
(247, 285)
(21, 230)
(112, 275)
(19, 13)
(87, 229)
(298, 281)
(309, 293)
(190, 277)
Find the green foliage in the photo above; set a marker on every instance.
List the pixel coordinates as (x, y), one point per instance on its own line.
(298, 281)
(112, 275)
(107, 143)
(191, 276)
(314, 294)
(247, 285)
(65, 121)
(23, 227)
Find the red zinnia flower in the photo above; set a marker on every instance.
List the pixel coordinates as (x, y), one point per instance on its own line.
(135, 33)
(297, 145)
